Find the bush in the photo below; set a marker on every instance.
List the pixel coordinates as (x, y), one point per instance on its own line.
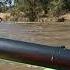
(33, 8)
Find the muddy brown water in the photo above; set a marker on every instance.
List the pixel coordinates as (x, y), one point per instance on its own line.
(47, 34)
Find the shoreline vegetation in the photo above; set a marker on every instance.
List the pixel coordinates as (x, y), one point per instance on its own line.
(37, 11)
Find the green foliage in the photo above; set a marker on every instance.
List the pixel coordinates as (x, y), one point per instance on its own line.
(55, 7)
(29, 7)
(66, 4)
(2, 7)
(33, 8)
(45, 4)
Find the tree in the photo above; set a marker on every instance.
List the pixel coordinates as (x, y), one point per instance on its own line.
(3, 7)
(45, 4)
(55, 7)
(66, 5)
(32, 8)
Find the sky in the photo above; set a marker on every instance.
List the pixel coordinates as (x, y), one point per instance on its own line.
(7, 1)
(2, 0)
